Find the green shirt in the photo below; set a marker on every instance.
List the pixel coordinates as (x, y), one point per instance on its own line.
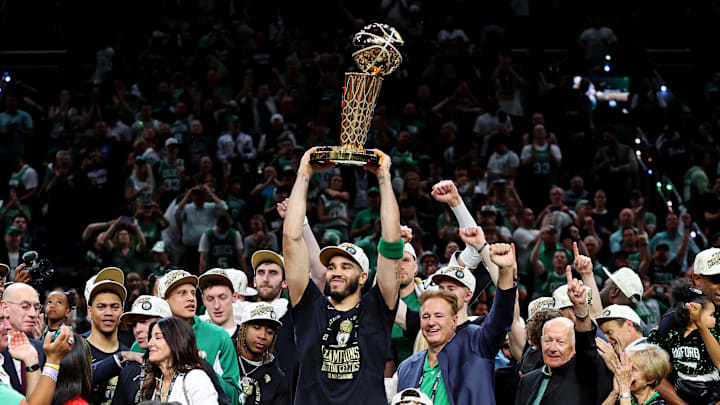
(428, 383)
(364, 217)
(8, 396)
(402, 346)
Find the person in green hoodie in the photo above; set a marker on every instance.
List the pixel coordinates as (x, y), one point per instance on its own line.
(178, 288)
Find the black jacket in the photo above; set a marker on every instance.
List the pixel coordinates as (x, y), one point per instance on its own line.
(266, 385)
(580, 381)
(9, 366)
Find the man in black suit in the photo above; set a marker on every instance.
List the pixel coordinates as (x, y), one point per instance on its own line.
(20, 309)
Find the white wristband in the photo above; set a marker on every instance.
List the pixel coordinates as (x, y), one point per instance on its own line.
(305, 221)
(463, 216)
(470, 257)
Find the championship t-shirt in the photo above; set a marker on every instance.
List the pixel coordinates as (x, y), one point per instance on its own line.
(103, 391)
(342, 353)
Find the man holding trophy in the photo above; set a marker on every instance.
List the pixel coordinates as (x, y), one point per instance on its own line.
(343, 339)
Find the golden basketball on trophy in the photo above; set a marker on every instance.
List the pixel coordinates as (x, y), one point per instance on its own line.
(378, 56)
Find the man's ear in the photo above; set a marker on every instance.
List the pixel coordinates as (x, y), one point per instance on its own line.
(363, 278)
(284, 284)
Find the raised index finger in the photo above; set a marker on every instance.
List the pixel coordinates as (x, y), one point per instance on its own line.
(575, 249)
(568, 274)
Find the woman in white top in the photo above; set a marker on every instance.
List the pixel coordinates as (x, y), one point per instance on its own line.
(173, 371)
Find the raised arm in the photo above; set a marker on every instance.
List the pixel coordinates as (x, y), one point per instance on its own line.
(446, 191)
(578, 296)
(317, 270)
(711, 343)
(387, 275)
(583, 265)
(295, 250)
(498, 323)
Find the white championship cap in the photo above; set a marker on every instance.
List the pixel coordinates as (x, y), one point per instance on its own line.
(173, 279)
(628, 282)
(619, 312)
(148, 306)
(348, 250)
(457, 273)
(707, 262)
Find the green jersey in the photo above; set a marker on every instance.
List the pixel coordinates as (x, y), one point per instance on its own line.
(222, 252)
(403, 346)
(235, 208)
(548, 282)
(169, 175)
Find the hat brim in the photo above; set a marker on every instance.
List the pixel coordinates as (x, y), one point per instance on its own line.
(111, 273)
(262, 256)
(206, 280)
(109, 285)
(184, 280)
(329, 252)
(437, 278)
(249, 292)
(274, 321)
(132, 317)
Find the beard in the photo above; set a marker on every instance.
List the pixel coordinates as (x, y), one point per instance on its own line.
(350, 288)
(267, 296)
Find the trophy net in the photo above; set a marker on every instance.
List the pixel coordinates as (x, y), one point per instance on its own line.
(359, 98)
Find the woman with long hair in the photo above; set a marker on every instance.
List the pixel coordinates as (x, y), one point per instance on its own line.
(173, 370)
(74, 383)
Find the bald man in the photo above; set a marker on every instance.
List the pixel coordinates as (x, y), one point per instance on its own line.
(20, 309)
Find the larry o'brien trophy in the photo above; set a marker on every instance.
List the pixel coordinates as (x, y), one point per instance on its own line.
(378, 56)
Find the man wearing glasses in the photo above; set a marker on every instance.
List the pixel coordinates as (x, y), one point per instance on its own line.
(21, 307)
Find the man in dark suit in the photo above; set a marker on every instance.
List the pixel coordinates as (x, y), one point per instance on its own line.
(20, 309)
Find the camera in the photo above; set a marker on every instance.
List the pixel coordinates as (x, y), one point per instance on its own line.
(38, 269)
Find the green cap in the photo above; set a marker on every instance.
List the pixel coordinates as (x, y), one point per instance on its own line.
(11, 229)
(233, 118)
(581, 203)
(374, 190)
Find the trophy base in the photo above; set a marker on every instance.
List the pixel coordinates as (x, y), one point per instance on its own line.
(344, 156)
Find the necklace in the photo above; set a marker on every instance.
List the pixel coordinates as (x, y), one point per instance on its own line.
(242, 366)
(164, 398)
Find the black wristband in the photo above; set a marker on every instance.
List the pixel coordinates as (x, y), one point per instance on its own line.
(34, 367)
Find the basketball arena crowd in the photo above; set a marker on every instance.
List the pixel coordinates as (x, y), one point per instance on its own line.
(543, 225)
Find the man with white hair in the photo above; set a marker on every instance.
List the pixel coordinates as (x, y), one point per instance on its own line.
(20, 305)
(570, 356)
